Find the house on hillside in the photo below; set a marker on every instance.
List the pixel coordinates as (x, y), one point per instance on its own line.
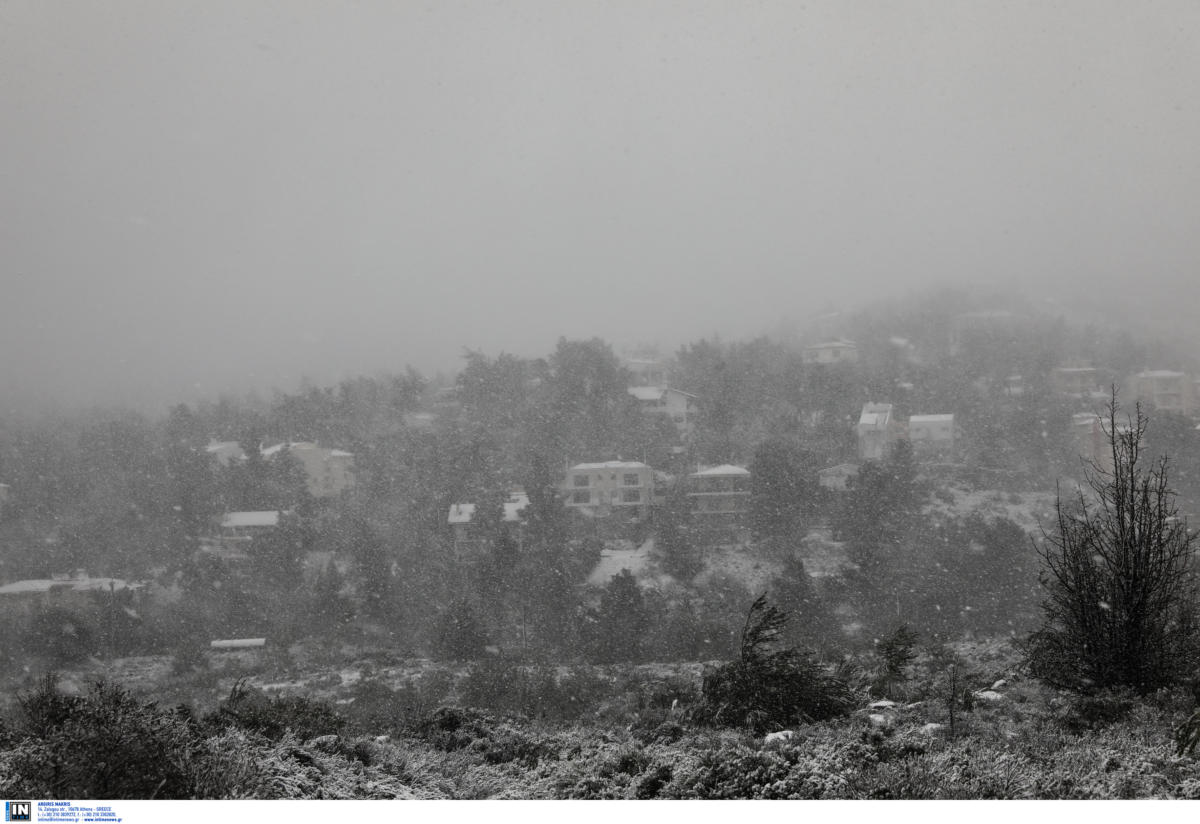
(244, 525)
(830, 352)
(465, 531)
(647, 371)
(1165, 390)
(932, 435)
(838, 478)
(328, 472)
(1075, 381)
(226, 453)
(719, 492)
(1089, 437)
(676, 404)
(876, 431)
(719, 501)
(63, 591)
(597, 490)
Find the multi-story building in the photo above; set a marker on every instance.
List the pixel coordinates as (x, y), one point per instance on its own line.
(1165, 390)
(611, 487)
(721, 492)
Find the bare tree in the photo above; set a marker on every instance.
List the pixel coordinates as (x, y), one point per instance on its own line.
(1119, 576)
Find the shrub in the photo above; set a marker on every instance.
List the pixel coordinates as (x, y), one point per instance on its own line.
(766, 690)
(250, 709)
(1094, 712)
(103, 745)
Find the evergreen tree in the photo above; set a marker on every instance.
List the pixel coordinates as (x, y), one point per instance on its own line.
(617, 629)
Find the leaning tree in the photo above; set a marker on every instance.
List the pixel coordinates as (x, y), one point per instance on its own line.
(1118, 574)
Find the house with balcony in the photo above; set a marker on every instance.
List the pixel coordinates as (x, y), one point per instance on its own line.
(624, 489)
(719, 492)
(1165, 390)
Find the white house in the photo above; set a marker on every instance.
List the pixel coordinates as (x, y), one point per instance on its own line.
(1165, 390)
(829, 352)
(248, 524)
(225, 452)
(719, 492)
(676, 404)
(330, 472)
(875, 431)
(647, 371)
(599, 489)
(930, 434)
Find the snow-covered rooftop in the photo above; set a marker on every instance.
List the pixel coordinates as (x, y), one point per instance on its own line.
(723, 469)
(943, 418)
(1160, 373)
(238, 643)
(609, 465)
(233, 520)
(75, 584)
(463, 513)
(646, 393)
(875, 414)
(847, 469)
(272, 451)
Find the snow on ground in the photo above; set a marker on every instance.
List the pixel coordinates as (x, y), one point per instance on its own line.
(747, 566)
(619, 555)
(823, 556)
(1027, 509)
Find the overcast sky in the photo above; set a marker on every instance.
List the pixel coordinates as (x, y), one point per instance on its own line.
(201, 196)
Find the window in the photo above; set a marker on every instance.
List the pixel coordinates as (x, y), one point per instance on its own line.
(581, 480)
(632, 496)
(630, 479)
(581, 496)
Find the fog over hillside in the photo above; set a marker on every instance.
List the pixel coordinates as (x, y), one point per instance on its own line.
(199, 199)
